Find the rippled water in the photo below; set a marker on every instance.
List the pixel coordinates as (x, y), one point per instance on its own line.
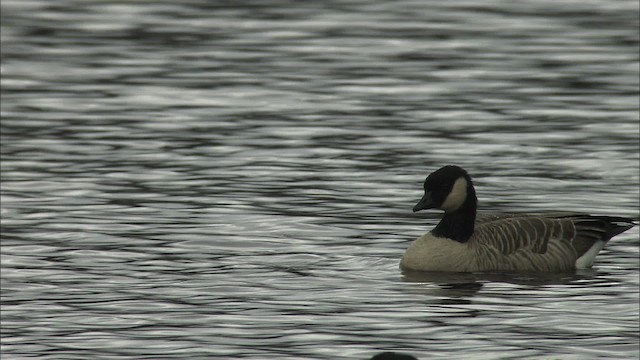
(197, 179)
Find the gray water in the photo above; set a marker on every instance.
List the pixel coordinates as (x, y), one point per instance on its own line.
(196, 179)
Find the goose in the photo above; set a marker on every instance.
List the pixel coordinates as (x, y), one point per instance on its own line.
(390, 355)
(464, 241)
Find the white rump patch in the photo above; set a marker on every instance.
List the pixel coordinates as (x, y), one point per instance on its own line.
(585, 261)
(456, 197)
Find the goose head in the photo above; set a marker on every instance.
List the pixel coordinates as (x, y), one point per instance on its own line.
(448, 189)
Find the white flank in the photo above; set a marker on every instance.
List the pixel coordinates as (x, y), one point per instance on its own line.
(586, 260)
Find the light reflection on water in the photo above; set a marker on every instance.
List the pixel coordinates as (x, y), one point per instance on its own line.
(193, 180)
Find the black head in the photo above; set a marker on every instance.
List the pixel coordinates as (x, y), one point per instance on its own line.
(446, 188)
(390, 355)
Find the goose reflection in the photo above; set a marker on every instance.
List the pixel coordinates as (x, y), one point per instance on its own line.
(466, 285)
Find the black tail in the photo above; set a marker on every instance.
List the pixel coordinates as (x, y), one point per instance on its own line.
(615, 225)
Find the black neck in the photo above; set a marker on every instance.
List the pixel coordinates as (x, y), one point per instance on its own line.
(458, 225)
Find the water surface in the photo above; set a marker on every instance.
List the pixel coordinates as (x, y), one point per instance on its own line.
(206, 179)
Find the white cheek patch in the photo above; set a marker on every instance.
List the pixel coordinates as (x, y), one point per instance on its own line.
(456, 197)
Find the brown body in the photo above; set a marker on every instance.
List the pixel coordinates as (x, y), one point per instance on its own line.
(513, 243)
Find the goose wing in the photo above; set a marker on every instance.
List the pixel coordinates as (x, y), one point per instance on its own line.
(488, 216)
(511, 234)
(551, 242)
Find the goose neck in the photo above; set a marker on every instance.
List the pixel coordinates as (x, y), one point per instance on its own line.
(458, 225)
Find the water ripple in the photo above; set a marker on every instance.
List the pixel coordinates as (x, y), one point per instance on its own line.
(201, 179)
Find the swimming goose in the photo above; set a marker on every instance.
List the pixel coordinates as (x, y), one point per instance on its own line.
(464, 241)
(390, 355)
